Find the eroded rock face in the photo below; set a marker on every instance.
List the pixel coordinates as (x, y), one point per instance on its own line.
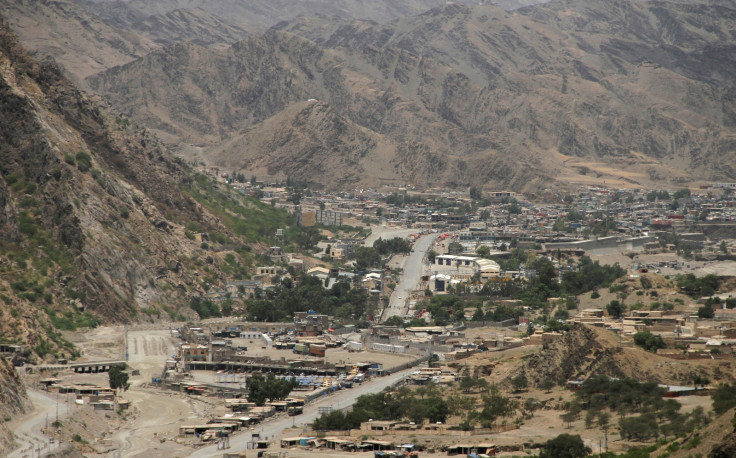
(92, 211)
(13, 400)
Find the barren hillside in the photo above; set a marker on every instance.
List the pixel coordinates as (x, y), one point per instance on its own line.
(588, 351)
(460, 91)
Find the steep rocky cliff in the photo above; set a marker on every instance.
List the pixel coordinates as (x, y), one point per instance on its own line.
(99, 221)
(13, 401)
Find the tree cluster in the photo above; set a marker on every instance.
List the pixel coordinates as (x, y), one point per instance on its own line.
(425, 403)
(395, 245)
(307, 293)
(649, 341)
(724, 398)
(656, 415)
(698, 287)
(270, 388)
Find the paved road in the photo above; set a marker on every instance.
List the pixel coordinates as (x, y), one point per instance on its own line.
(31, 440)
(413, 267)
(281, 427)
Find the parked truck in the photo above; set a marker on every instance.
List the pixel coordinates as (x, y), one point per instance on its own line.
(317, 350)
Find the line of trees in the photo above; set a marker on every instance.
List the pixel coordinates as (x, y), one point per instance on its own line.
(425, 403)
(270, 387)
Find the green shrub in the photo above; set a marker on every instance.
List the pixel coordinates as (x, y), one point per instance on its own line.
(84, 161)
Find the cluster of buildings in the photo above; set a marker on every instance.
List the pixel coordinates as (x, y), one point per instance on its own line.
(98, 397)
(686, 335)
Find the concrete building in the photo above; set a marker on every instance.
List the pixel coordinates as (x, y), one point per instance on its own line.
(310, 323)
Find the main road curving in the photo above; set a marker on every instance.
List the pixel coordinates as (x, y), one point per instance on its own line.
(282, 427)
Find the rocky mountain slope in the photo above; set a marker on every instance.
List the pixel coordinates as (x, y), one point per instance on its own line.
(629, 94)
(715, 440)
(67, 32)
(99, 221)
(258, 15)
(13, 401)
(585, 351)
(414, 102)
(192, 24)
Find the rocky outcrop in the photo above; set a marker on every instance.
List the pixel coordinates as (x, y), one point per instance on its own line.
(584, 352)
(13, 401)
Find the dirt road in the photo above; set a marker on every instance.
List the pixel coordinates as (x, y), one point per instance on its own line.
(28, 429)
(158, 412)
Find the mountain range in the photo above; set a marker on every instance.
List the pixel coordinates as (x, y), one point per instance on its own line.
(529, 97)
(569, 92)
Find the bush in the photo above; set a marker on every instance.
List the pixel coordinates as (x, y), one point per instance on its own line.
(724, 398)
(615, 309)
(706, 312)
(205, 308)
(564, 446)
(84, 161)
(648, 341)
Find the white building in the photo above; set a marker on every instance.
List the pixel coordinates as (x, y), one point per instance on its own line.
(464, 267)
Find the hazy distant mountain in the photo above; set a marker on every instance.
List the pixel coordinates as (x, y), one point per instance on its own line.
(576, 91)
(82, 43)
(258, 15)
(175, 26)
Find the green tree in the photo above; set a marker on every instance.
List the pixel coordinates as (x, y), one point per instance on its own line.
(394, 321)
(483, 251)
(649, 341)
(270, 387)
(118, 378)
(519, 383)
(615, 309)
(531, 405)
(564, 446)
(724, 398)
(571, 414)
(706, 312)
(643, 427)
(307, 237)
(604, 420)
(495, 405)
